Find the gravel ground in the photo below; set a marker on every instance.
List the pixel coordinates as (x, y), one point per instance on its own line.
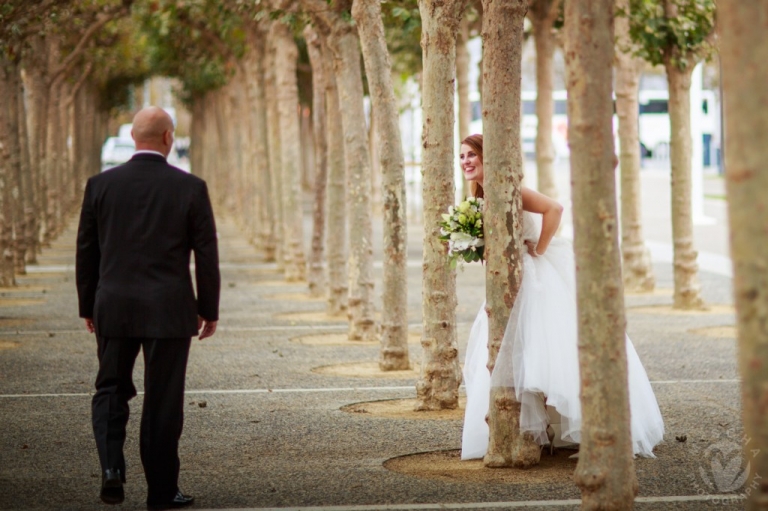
(283, 442)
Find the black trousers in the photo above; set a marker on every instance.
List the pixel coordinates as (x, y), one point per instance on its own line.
(162, 416)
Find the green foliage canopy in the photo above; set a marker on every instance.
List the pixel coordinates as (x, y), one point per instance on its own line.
(680, 40)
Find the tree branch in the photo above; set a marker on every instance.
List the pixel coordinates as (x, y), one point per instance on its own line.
(86, 37)
(79, 84)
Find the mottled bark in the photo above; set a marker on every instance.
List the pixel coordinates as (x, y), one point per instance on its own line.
(503, 163)
(636, 258)
(462, 88)
(316, 275)
(26, 213)
(9, 163)
(438, 385)
(27, 237)
(393, 354)
(34, 64)
(275, 158)
(287, 93)
(605, 472)
(336, 238)
(543, 14)
(687, 293)
(342, 40)
(349, 80)
(253, 63)
(744, 52)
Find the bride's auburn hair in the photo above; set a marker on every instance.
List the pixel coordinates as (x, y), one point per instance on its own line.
(476, 143)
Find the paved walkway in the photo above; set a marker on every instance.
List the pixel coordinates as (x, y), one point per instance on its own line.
(263, 431)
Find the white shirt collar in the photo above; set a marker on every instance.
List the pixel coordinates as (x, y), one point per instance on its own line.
(148, 151)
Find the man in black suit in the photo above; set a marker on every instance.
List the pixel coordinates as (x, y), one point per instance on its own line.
(139, 223)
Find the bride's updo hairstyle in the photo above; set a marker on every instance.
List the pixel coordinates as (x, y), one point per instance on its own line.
(476, 143)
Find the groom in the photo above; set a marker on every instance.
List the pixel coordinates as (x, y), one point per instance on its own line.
(138, 226)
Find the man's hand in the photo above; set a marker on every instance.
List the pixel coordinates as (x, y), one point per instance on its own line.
(208, 327)
(89, 325)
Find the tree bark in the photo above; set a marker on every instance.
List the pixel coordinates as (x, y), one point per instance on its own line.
(393, 354)
(605, 472)
(26, 242)
(254, 68)
(287, 92)
(744, 50)
(543, 14)
(9, 163)
(275, 158)
(503, 163)
(316, 276)
(462, 88)
(343, 43)
(636, 258)
(687, 294)
(336, 238)
(438, 385)
(34, 64)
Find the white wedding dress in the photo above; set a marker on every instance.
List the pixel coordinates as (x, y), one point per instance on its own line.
(539, 359)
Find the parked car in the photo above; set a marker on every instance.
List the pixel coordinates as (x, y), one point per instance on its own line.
(116, 150)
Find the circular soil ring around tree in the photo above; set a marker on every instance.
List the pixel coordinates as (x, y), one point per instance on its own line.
(342, 339)
(718, 332)
(365, 370)
(20, 302)
(310, 317)
(7, 345)
(11, 322)
(665, 291)
(667, 310)
(447, 466)
(295, 297)
(22, 289)
(403, 409)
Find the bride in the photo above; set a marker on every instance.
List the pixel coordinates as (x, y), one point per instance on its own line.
(539, 352)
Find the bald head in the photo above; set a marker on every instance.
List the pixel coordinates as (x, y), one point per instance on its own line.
(153, 130)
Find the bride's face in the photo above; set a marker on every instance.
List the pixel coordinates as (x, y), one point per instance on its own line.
(471, 164)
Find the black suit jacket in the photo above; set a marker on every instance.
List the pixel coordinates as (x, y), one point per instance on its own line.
(138, 226)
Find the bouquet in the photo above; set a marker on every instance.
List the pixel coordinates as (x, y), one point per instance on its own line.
(462, 229)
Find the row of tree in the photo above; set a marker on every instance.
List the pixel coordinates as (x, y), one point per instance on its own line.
(244, 67)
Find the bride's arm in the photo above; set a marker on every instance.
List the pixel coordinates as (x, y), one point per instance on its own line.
(551, 212)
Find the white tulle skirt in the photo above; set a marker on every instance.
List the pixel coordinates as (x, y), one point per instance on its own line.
(539, 359)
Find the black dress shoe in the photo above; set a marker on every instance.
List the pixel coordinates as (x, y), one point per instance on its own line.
(179, 501)
(112, 487)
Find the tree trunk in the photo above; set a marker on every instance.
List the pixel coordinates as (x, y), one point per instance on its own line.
(286, 57)
(503, 161)
(275, 158)
(605, 471)
(51, 163)
(637, 269)
(35, 63)
(196, 138)
(462, 88)
(687, 294)
(316, 275)
(344, 45)
(336, 238)
(744, 50)
(254, 69)
(394, 322)
(9, 163)
(438, 385)
(543, 14)
(26, 241)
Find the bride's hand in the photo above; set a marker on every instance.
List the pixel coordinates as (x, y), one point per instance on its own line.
(531, 246)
